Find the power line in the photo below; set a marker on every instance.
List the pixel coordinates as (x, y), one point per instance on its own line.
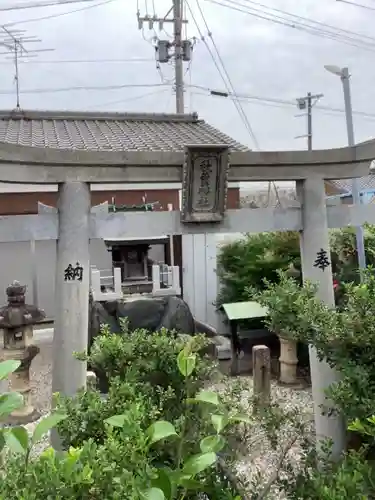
(308, 19)
(245, 118)
(227, 84)
(254, 99)
(290, 23)
(236, 101)
(367, 7)
(36, 5)
(79, 88)
(315, 28)
(84, 61)
(54, 16)
(278, 103)
(129, 99)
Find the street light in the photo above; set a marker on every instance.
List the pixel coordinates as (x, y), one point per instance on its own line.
(344, 75)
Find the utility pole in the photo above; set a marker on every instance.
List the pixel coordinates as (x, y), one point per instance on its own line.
(179, 66)
(307, 103)
(178, 49)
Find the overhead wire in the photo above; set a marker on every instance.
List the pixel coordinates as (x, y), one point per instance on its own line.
(241, 110)
(79, 61)
(128, 99)
(227, 82)
(86, 88)
(367, 7)
(278, 103)
(38, 5)
(243, 115)
(204, 91)
(293, 23)
(54, 16)
(308, 19)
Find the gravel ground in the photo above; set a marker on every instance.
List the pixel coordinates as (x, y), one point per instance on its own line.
(258, 457)
(41, 378)
(41, 389)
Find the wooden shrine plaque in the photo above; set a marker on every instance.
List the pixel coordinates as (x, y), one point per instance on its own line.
(205, 183)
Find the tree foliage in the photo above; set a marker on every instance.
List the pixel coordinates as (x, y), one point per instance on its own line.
(258, 257)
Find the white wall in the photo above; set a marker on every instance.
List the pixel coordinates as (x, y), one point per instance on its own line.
(200, 282)
(199, 276)
(16, 264)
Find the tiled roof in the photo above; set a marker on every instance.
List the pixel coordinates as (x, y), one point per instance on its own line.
(367, 183)
(109, 131)
(364, 184)
(274, 197)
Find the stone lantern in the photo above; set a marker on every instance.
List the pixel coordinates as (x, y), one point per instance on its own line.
(16, 327)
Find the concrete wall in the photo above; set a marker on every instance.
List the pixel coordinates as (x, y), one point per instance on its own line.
(17, 264)
(200, 283)
(199, 276)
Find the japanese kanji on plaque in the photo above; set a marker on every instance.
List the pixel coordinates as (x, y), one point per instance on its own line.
(204, 187)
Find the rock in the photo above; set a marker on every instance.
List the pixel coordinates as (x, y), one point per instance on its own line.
(150, 314)
(142, 313)
(177, 316)
(99, 316)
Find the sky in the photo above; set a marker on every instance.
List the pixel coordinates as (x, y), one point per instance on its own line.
(265, 60)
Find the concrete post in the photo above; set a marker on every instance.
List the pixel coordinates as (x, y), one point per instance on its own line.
(72, 287)
(261, 376)
(315, 246)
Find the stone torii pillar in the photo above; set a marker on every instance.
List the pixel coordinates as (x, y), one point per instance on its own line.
(316, 268)
(71, 287)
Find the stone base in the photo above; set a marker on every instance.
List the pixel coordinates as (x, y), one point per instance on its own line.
(224, 353)
(15, 420)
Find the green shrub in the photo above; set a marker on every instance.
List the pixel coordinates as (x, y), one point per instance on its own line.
(124, 448)
(142, 358)
(137, 459)
(246, 262)
(88, 410)
(133, 364)
(345, 338)
(352, 478)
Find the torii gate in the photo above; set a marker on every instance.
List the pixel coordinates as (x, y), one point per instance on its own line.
(75, 224)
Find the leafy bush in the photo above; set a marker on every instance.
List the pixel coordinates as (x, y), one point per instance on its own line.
(246, 262)
(352, 478)
(345, 338)
(283, 299)
(135, 445)
(142, 358)
(134, 365)
(136, 460)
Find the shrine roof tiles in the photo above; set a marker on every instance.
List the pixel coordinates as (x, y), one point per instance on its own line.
(366, 183)
(103, 131)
